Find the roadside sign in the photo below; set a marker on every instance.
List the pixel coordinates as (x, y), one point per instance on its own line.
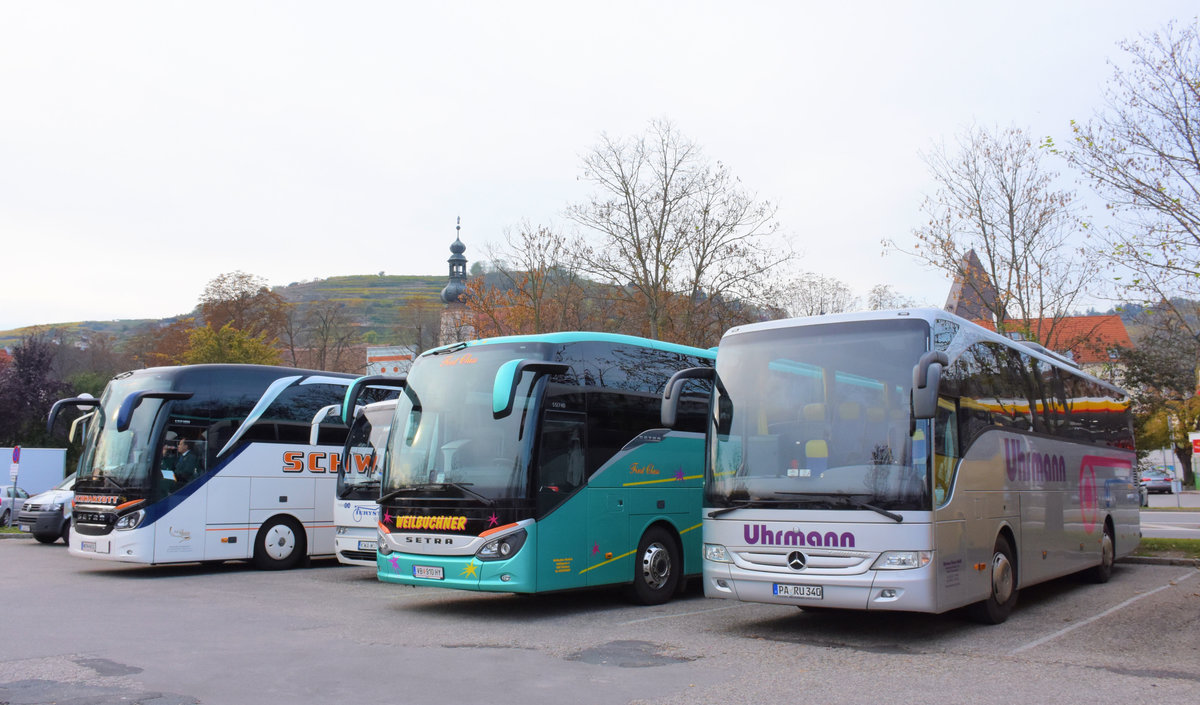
(16, 458)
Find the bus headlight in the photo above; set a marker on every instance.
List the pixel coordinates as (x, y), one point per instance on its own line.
(503, 547)
(384, 548)
(716, 553)
(902, 560)
(130, 520)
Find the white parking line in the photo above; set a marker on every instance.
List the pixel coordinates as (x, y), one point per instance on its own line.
(1105, 613)
(684, 614)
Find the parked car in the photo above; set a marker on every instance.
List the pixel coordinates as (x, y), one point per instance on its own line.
(48, 515)
(1157, 481)
(7, 510)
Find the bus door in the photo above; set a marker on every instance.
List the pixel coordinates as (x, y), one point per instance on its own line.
(182, 462)
(562, 530)
(950, 522)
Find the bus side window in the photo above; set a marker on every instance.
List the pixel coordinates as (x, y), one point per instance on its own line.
(945, 451)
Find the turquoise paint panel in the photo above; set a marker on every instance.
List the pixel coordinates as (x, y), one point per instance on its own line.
(503, 385)
(562, 545)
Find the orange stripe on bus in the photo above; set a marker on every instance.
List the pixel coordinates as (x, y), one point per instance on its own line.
(489, 532)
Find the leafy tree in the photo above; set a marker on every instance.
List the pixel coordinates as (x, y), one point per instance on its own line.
(673, 233)
(996, 198)
(1160, 372)
(28, 389)
(229, 344)
(245, 302)
(156, 344)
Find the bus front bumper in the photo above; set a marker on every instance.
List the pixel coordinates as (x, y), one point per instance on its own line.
(515, 574)
(902, 590)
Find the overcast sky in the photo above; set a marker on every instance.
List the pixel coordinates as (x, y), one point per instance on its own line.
(146, 147)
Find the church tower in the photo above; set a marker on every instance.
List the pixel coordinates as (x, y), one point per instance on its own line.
(456, 324)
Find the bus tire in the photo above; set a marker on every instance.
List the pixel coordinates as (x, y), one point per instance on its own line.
(1108, 556)
(1002, 590)
(279, 545)
(66, 532)
(657, 567)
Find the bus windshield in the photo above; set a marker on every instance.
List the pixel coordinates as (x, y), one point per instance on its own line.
(358, 474)
(818, 417)
(445, 435)
(121, 460)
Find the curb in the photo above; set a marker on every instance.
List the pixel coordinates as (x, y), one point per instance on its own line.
(1160, 560)
(22, 535)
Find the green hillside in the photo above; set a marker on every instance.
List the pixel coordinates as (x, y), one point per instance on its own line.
(371, 302)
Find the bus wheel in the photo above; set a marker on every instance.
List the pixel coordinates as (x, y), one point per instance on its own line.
(1002, 595)
(657, 569)
(1108, 555)
(279, 544)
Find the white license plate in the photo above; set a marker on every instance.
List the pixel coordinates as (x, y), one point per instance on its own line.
(367, 545)
(87, 546)
(804, 592)
(24, 527)
(430, 572)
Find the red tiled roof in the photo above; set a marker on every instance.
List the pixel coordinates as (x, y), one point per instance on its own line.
(1086, 338)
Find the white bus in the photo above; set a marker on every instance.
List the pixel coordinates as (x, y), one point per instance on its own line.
(207, 463)
(907, 460)
(355, 505)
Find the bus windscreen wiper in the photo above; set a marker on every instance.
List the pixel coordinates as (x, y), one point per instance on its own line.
(844, 500)
(110, 481)
(749, 504)
(446, 351)
(878, 510)
(347, 490)
(460, 486)
(463, 487)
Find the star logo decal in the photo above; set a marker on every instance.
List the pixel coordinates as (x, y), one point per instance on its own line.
(468, 571)
(493, 520)
(395, 563)
(595, 549)
(387, 516)
(679, 474)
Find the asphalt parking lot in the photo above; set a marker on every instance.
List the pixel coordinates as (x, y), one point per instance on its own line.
(85, 632)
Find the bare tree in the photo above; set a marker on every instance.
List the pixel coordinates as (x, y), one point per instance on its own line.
(811, 294)
(674, 230)
(330, 335)
(420, 324)
(1142, 154)
(883, 297)
(994, 196)
(535, 284)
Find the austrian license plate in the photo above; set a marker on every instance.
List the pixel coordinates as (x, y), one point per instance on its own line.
(367, 545)
(804, 592)
(429, 572)
(93, 546)
(24, 527)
